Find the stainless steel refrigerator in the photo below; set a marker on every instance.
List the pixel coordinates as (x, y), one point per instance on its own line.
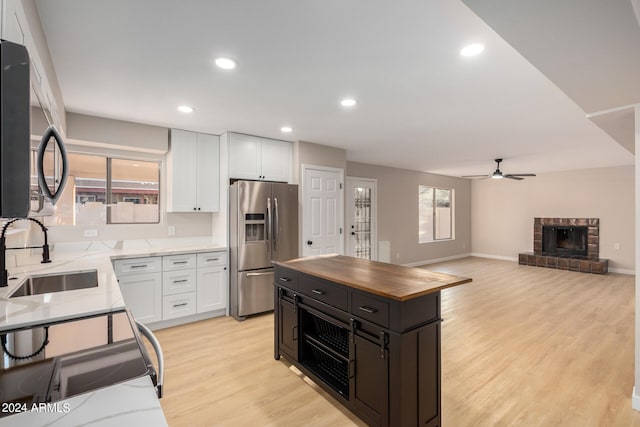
(263, 220)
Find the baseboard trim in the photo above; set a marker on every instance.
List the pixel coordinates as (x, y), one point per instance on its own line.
(433, 261)
(635, 399)
(500, 257)
(622, 271)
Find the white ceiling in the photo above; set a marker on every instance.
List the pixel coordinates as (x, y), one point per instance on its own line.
(421, 105)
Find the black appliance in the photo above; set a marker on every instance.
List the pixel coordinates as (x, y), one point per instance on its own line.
(14, 130)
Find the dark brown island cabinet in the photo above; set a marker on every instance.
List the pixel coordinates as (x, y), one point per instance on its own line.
(366, 332)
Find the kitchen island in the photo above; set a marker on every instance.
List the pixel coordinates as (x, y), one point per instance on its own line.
(367, 332)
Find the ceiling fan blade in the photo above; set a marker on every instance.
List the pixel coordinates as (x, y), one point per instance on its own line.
(474, 176)
(522, 174)
(513, 177)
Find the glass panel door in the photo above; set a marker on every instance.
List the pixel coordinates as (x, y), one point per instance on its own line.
(362, 210)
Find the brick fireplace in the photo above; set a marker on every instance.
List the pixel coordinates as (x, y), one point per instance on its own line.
(566, 244)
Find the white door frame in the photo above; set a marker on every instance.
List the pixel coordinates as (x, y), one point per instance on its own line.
(305, 168)
(374, 212)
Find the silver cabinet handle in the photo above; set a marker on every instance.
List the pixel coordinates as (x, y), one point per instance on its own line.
(179, 262)
(257, 274)
(139, 266)
(180, 281)
(212, 259)
(318, 291)
(368, 309)
(180, 305)
(285, 279)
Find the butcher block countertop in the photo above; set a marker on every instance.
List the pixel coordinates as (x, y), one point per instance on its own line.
(387, 280)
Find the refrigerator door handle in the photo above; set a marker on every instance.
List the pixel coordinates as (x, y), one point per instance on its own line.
(276, 224)
(268, 218)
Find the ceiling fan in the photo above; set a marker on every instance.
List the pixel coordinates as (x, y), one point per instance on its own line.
(497, 174)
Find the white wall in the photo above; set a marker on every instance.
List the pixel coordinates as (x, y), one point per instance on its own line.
(502, 211)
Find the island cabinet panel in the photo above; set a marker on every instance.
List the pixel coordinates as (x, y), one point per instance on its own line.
(377, 351)
(288, 328)
(370, 382)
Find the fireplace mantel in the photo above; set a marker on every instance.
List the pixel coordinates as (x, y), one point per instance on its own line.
(591, 263)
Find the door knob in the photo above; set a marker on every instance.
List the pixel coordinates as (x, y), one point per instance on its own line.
(353, 233)
(309, 242)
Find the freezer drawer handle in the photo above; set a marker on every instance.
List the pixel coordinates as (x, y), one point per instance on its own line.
(180, 281)
(258, 274)
(318, 291)
(368, 309)
(180, 305)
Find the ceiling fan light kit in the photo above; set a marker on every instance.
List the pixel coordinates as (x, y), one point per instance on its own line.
(497, 174)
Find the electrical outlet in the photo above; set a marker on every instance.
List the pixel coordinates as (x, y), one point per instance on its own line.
(92, 232)
(172, 230)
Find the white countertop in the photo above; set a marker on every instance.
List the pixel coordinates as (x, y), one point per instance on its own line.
(132, 403)
(37, 309)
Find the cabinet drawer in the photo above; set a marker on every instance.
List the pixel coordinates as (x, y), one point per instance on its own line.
(369, 308)
(175, 282)
(324, 291)
(178, 305)
(125, 267)
(209, 259)
(285, 277)
(178, 262)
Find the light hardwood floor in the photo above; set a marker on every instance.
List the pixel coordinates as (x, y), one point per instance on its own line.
(521, 346)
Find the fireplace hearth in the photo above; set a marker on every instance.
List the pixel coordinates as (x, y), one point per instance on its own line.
(567, 244)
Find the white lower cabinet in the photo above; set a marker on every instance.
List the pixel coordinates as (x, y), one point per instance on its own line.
(213, 281)
(173, 286)
(212, 288)
(142, 294)
(179, 305)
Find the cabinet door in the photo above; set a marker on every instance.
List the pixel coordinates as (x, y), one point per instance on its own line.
(181, 172)
(244, 156)
(143, 296)
(370, 384)
(429, 373)
(288, 329)
(276, 160)
(212, 288)
(208, 173)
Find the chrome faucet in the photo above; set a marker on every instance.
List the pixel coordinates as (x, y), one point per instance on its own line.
(4, 277)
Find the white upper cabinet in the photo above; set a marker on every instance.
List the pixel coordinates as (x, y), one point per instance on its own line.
(193, 172)
(252, 157)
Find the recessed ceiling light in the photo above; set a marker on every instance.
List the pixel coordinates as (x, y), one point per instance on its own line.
(226, 63)
(186, 109)
(472, 49)
(348, 102)
(286, 129)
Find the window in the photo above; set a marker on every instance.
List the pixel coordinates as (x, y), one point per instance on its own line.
(435, 214)
(100, 190)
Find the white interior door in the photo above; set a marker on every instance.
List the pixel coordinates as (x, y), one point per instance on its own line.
(362, 222)
(322, 211)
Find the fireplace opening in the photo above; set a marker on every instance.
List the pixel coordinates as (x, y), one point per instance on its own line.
(564, 241)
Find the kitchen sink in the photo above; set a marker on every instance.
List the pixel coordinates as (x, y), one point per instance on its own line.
(35, 285)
